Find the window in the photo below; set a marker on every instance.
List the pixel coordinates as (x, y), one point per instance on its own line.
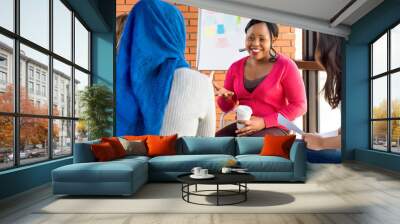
(385, 96)
(44, 91)
(38, 89)
(54, 125)
(3, 72)
(30, 72)
(3, 78)
(7, 14)
(81, 45)
(3, 61)
(7, 74)
(30, 87)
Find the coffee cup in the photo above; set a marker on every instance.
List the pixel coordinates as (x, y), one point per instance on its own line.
(196, 171)
(226, 170)
(203, 172)
(243, 113)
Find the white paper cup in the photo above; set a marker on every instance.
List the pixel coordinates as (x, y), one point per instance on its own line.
(243, 113)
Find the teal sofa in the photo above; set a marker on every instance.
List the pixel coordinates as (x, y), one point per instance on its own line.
(125, 176)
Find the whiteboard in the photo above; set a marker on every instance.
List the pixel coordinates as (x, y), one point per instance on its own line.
(220, 36)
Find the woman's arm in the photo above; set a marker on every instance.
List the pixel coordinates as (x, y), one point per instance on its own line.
(295, 94)
(228, 103)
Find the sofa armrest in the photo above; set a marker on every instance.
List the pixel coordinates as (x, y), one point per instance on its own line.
(298, 157)
(83, 152)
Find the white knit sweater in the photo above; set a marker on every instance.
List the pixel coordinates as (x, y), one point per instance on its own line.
(191, 107)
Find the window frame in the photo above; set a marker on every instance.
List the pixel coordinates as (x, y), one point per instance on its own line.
(16, 115)
(388, 74)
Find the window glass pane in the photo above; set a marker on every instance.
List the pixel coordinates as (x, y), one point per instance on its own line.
(395, 138)
(62, 89)
(395, 47)
(35, 21)
(81, 81)
(379, 135)
(81, 45)
(81, 131)
(62, 29)
(34, 66)
(395, 94)
(379, 55)
(33, 140)
(7, 14)
(6, 74)
(329, 120)
(6, 142)
(379, 97)
(62, 138)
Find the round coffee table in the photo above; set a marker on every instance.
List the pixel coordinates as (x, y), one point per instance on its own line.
(238, 179)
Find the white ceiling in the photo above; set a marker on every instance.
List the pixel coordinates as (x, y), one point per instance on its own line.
(315, 15)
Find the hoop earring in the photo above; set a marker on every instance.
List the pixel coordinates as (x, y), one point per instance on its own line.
(272, 54)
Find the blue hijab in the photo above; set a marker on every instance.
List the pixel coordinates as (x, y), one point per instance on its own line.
(152, 47)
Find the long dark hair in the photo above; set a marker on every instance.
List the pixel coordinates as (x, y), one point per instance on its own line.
(329, 54)
(273, 32)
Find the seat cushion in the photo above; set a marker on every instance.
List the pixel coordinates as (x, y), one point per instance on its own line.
(257, 163)
(111, 171)
(185, 163)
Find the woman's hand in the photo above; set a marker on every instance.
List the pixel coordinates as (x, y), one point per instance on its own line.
(313, 141)
(252, 126)
(221, 91)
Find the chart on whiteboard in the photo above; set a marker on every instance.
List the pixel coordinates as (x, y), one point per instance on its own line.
(220, 38)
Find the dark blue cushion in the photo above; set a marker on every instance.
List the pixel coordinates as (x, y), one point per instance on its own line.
(324, 156)
(207, 145)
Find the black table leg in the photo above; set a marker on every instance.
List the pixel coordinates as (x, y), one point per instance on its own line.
(217, 194)
(245, 193)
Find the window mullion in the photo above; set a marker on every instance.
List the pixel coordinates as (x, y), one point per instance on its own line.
(389, 101)
(50, 81)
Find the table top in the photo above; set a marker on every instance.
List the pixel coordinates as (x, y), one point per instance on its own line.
(220, 178)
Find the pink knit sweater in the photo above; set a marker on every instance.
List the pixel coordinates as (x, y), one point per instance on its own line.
(282, 91)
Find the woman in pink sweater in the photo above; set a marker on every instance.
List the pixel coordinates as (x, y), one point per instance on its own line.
(268, 82)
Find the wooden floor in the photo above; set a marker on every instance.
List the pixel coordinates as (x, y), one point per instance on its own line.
(379, 189)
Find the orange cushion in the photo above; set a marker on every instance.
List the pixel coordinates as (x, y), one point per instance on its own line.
(116, 145)
(277, 145)
(136, 138)
(161, 145)
(103, 152)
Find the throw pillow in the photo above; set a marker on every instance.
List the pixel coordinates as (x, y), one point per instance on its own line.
(135, 138)
(117, 146)
(103, 152)
(137, 147)
(277, 145)
(161, 145)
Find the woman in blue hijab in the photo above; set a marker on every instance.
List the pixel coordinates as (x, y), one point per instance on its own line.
(155, 92)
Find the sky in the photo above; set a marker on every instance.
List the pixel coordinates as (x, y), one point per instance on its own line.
(35, 27)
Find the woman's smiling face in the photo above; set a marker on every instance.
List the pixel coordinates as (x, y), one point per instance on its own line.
(258, 41)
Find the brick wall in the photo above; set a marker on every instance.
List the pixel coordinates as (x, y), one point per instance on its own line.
(285, 44)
